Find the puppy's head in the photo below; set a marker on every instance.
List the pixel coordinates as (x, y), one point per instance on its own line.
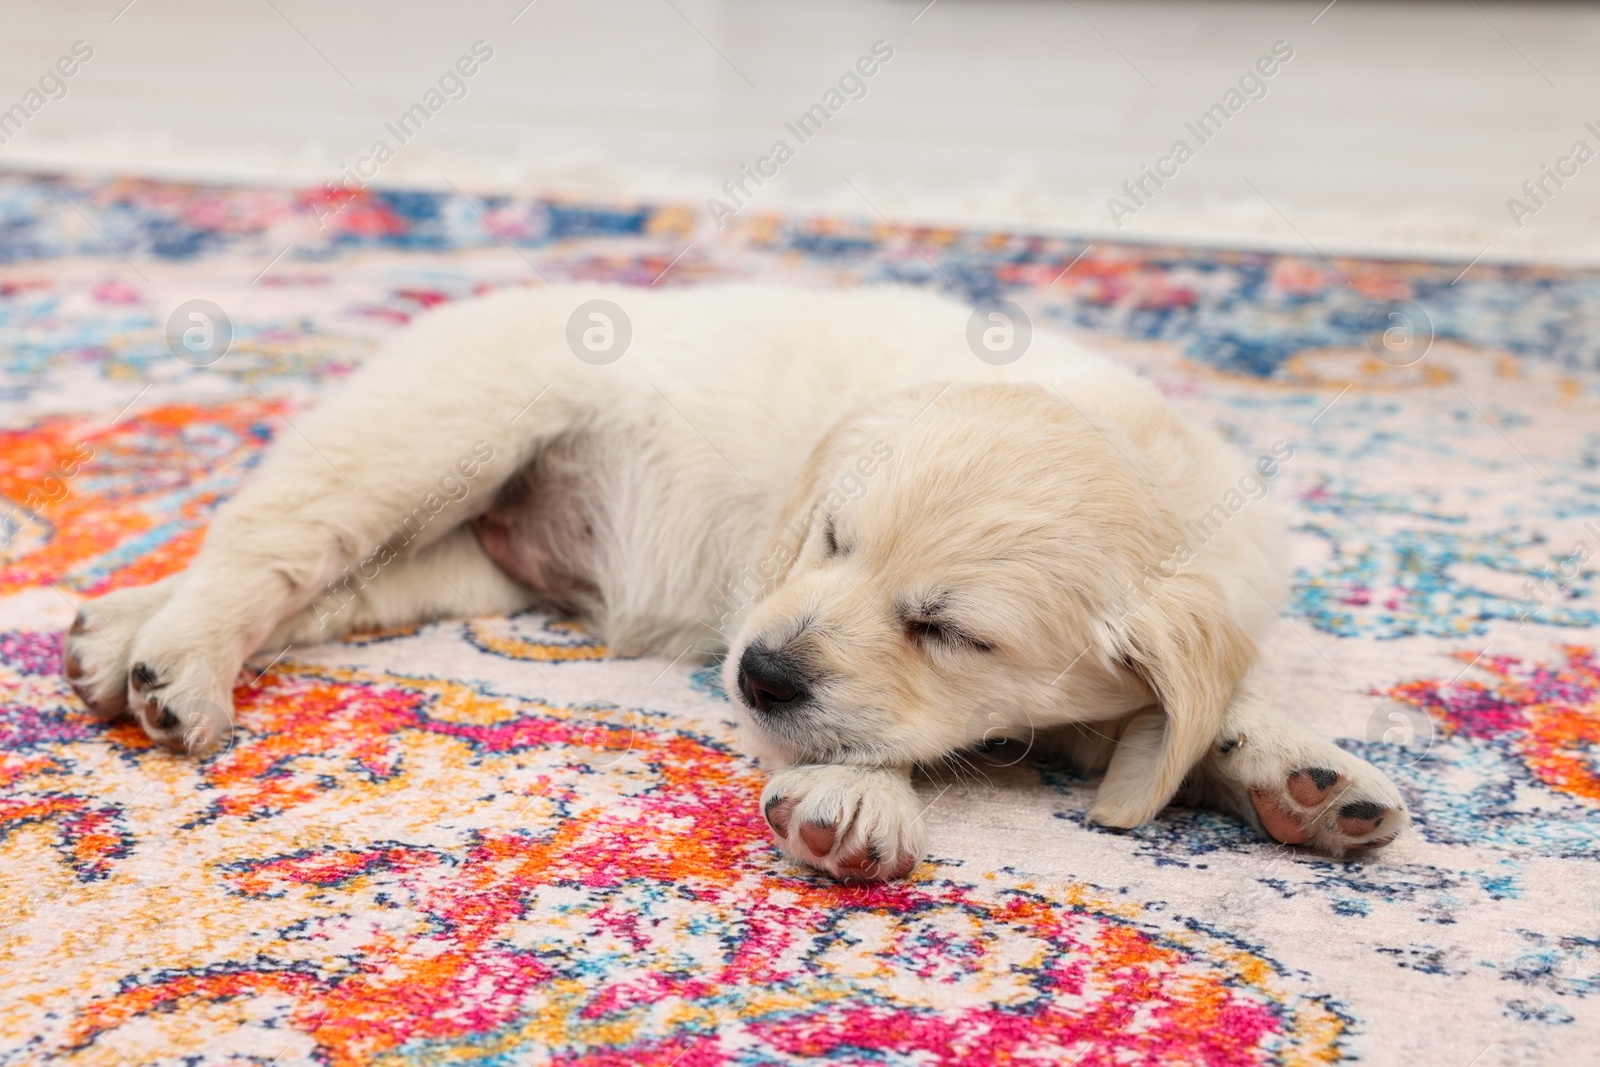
(961, 561)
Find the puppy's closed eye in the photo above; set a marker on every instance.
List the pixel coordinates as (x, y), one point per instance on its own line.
(830, 541)
(945, 634)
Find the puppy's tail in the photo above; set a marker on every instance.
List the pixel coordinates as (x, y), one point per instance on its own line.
(1182, 640)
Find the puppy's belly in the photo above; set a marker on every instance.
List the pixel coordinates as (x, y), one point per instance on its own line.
(540, 530)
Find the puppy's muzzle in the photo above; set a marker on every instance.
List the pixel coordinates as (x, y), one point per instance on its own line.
(771, 681)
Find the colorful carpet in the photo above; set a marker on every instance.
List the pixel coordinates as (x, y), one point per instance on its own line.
(488, 842)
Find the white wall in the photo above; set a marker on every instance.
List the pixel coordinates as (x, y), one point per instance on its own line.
(1403, 125)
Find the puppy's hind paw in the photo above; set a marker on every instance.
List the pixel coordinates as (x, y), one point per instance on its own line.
(179, 711)
(95, 651)
(860, 824)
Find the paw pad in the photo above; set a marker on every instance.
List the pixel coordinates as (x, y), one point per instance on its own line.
(144, 678)
(818, 837)
(777, 811)
(1361, 818)
(1310, 787)
(1303, 812)
(1281, 824)
(865, 865)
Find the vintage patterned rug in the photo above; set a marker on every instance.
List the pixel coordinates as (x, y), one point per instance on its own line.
(487, 842)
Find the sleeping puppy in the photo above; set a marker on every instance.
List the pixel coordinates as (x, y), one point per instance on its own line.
(903, 549)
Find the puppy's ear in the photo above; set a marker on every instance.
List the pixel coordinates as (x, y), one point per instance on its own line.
(1182, 641)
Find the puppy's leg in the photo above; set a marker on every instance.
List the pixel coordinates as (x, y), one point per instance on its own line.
(860, 824)
(372, 477)
(275, 549)
(1292, 786)
(452, 577)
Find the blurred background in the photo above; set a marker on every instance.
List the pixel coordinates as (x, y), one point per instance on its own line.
(1396, 125)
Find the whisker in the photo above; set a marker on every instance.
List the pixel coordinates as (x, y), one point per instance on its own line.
(978, 774)
(936, 771)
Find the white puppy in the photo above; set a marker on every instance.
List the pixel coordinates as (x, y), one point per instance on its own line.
(904, 550)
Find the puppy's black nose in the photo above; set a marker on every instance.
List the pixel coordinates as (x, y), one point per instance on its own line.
(770, 680)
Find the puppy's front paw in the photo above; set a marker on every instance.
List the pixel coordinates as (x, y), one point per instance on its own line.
(1316, 806)
(860, 824)
(1329, 801)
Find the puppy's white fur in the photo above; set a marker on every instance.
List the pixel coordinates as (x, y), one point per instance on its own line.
(947, 552)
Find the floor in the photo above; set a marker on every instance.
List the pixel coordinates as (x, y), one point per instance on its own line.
(1402, 126)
